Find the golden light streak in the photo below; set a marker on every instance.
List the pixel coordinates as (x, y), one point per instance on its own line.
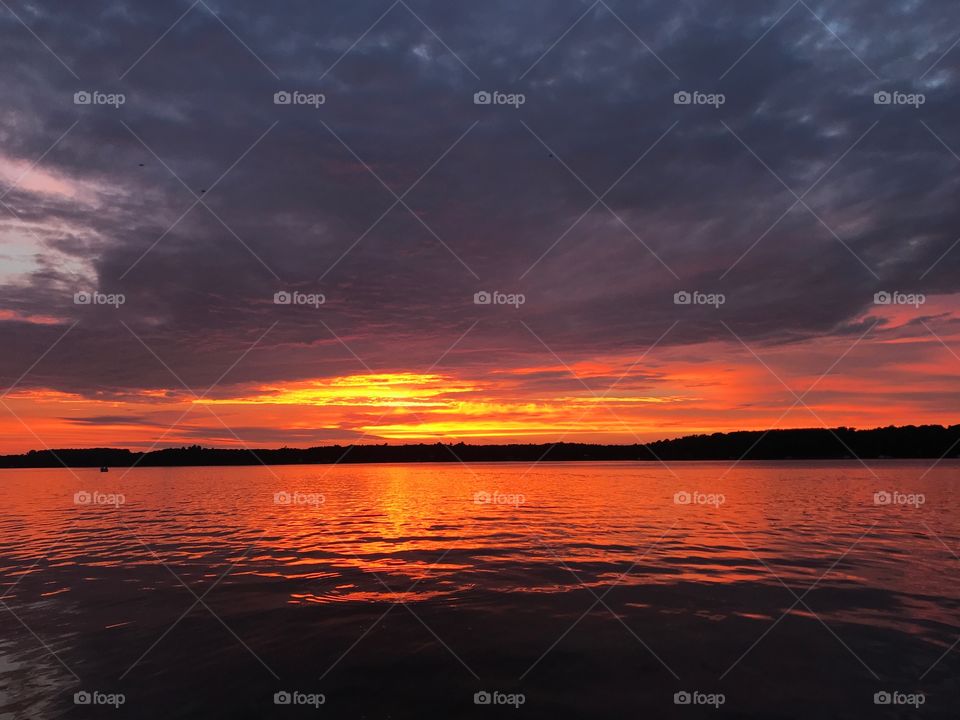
(379, 390)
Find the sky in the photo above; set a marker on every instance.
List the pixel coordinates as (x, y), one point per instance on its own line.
(687, 217)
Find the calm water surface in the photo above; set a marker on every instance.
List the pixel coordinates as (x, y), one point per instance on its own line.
(400, 591)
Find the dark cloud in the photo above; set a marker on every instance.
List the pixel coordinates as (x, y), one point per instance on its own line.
(109, 420)
(509, 198)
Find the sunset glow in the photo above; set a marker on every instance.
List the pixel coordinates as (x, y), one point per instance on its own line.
(671, 392)
(594, 245)
(430, 359)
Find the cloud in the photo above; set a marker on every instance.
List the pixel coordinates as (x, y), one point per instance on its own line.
(598, 199)
(108, 420)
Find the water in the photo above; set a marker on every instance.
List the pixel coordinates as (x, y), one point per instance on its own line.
(398, 591)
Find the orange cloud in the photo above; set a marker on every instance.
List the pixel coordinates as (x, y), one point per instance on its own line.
(903, 374)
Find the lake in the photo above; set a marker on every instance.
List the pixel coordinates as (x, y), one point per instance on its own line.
(574, 590)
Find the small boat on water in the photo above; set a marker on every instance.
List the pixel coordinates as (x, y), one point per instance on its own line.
(104, 469)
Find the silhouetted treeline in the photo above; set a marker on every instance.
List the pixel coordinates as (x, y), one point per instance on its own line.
(926, 441)
(909, 441)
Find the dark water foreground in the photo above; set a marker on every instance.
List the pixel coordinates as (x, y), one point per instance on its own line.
(574, 590)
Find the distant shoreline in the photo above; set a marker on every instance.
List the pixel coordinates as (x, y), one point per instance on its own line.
(925, 442)
(853, 462)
